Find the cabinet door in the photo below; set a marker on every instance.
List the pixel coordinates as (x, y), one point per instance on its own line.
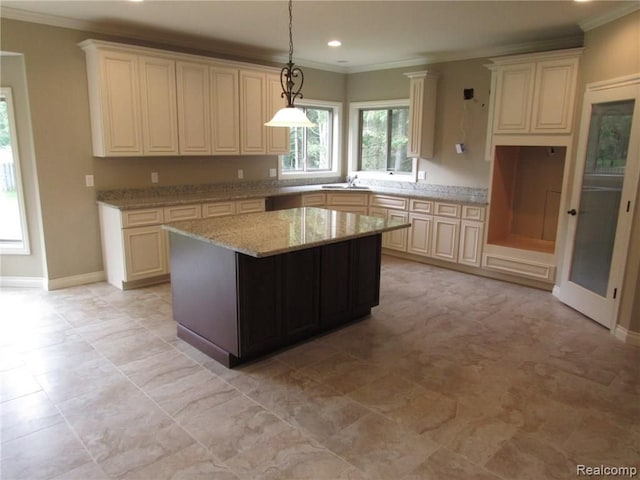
(514, 92)
(116, 124)
(446, 232)
(380, 213)
(277, 137)
(194, 124)
(300, 287)
(419, 241)
(260, 318)
(158, 105)
(554, 96)
(225, 111)
(252, 112)
(397, 239)
(145, 252)
(471, 237)
(422, 114)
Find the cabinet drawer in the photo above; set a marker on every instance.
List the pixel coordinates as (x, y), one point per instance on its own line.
(447, 210)
(313, 200)
(182, 212)
(355, 199)
(250, 206)
(139, 218)
(470, 212)
(350, 209)
(518, 266)
(217, 209)
(397, 203)
(421, 206)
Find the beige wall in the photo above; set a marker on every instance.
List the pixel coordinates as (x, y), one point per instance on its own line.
(57, 85)
(447, 167)
(611, 51)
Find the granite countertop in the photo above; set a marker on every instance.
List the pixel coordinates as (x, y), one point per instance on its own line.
(272, 233)
(168, 196)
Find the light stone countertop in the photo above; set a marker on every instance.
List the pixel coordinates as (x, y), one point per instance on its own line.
(154, 198)
(273, 233)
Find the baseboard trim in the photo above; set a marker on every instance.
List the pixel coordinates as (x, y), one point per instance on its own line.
(627, 336)
(22, 282)
(75, 280)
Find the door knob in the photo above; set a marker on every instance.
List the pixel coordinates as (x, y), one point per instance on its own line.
(572, 211)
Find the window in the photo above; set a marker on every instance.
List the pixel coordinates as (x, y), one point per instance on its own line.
(13, 227)
(379, 137)
(314, 151)
(609, 139)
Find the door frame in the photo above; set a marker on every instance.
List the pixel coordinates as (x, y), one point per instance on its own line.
(615, 89)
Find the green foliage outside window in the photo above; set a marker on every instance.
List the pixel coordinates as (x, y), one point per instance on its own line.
(310, 148)
(383, 140)
(609, 137)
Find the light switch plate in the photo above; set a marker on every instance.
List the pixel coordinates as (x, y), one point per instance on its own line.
(154, 177)
(273, 172)
(422, 174)
(88, 180)
(240, 173)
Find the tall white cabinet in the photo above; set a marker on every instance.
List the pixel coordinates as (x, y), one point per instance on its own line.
(529, 143)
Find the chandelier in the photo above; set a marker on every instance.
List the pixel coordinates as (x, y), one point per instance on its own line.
(291, 80)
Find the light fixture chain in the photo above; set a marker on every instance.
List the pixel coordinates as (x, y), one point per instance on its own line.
(290, 31)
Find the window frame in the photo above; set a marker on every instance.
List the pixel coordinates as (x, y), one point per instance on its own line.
(7, 248)
(336, 142)
(354, 141)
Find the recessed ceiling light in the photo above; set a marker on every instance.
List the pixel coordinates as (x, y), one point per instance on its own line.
(334, 43)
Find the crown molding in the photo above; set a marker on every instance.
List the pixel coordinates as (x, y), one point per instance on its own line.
(598, 21)
(243, 53)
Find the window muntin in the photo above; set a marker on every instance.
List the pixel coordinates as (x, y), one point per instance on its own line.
(13, 227)
(311, 149)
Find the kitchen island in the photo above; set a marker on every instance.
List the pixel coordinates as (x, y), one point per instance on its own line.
(246, 285)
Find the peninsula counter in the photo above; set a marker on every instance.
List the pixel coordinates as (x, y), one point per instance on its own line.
(246, 285)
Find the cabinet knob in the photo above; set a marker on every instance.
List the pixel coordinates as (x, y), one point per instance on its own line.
(572, 211)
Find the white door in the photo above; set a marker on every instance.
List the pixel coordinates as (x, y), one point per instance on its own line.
(602, 199)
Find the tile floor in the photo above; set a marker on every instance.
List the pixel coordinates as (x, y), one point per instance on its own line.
(451, 377)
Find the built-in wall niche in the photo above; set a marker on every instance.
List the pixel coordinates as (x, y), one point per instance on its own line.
(525, 197)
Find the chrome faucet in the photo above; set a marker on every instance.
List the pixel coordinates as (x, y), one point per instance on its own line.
(351, 181)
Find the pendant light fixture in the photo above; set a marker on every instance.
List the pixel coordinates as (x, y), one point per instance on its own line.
(291, 79)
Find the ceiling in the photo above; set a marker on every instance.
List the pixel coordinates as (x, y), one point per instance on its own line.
(375, 34)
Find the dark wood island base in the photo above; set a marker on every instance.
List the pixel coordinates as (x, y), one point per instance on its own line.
(235, 307)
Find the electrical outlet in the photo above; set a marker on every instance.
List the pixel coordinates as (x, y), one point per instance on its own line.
(154, 177)
(88, 180)
(422, 174)
(273, 172)
(240, 174)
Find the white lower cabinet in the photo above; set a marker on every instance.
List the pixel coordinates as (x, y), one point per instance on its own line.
(419, 241)
(471, 238)
(135, 247)
(445, 237)
(351, 202)
(144, 252)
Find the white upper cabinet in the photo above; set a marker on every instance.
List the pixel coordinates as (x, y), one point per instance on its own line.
(194, 122)
(153, 102)
(277, 137)
(158, 105)
(253, 112)
(422, 114)
(535, 93)
(114, 102)
(225, 111)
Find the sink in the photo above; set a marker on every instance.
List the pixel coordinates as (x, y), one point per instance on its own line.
(345, 187)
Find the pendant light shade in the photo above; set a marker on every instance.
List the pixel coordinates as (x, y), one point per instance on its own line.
(291, 80)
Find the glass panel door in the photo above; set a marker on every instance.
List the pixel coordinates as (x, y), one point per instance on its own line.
(605, 162)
